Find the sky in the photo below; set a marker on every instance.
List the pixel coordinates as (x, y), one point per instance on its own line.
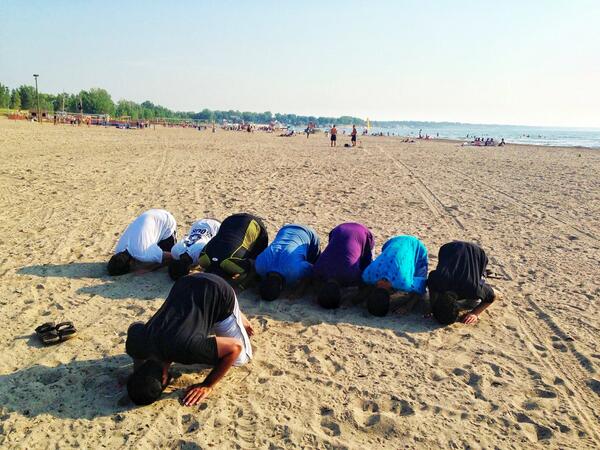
(534, 62)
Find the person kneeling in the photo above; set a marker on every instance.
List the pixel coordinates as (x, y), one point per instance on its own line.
(400, 268)
(187, 251)
(341, 264)
(145, 243)
(231, 253)
(457, 284)
(181, 331)
(288, 261)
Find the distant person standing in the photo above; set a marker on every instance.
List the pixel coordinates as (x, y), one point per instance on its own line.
(333, 133)
(353, 135)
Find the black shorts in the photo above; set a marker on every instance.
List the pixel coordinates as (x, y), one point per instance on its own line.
(334, 137)
(353, 138)
(167, 244)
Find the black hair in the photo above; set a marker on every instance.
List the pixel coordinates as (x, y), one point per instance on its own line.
(180, 267)
(378, 302)
(136, 344)
(145, 384)
(271, 286)
(119, 263)
(329, 296)
(445, 307)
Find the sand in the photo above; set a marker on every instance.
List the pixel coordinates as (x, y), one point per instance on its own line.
(525, 376)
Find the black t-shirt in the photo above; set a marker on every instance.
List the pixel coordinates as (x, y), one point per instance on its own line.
(179, 330)
(241, 237)
(460, 269)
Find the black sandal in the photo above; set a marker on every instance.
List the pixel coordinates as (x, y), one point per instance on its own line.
(65, 331)
(48, 334)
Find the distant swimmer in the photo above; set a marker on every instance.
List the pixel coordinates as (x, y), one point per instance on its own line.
(341, 264)
(353, 135)
(333, 133)
(145, 244)
(186, 252)
(232, 251)
(288, 261)
(200, 322)
(401, 267)
(457, 283)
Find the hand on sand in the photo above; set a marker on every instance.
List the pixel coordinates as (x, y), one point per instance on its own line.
(470, 319)
(248, 327)
(195, 394)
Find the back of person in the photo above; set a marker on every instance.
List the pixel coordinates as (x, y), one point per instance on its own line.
(179, 330)
(241, 237)
(201, 232)
(142, 236)
(403, 262)
(347, 254)
(460, 269)
(291, 254)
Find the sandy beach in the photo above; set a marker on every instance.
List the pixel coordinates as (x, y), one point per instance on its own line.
(525, 376)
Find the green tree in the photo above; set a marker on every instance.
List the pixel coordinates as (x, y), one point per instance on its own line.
(4, 96)
(97, 101)
(15, 99)
(27, 94)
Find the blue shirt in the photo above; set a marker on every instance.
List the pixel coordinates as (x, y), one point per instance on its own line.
(403, 262)
(291, 254)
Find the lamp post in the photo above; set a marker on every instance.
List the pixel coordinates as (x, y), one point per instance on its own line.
(37, 97)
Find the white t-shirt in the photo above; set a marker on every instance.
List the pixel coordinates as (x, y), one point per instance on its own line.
(141, 237)
(201, 232)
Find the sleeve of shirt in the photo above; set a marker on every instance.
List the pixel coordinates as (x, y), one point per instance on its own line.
(486, 293)
(204, 351)
(152, 254)
(367, 256)
(421, 266)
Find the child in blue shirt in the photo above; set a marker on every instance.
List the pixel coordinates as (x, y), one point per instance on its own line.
(288, 261)
(401, 267)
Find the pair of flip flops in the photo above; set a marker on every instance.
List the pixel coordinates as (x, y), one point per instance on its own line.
(50, 333)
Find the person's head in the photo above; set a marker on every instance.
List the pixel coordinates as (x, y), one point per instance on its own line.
(378, 303)
(145, 386)
(330, 296)
(136, 344)
(445, 308)
(271, 286)
(120, 263)
(180, 267)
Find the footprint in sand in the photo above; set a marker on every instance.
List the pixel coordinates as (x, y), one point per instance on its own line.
(330, 427)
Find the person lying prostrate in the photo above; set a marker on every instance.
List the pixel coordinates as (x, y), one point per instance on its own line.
(146, 243)
(186, 252)
(401, 267)
(200, 322)
(232, 251)
(457, 283)
(341, 264)
(288, 261)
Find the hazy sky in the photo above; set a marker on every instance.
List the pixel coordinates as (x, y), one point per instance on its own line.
(519, 62)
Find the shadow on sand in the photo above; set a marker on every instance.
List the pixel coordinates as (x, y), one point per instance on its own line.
(71, 270)
(78, 389)
(306, 311)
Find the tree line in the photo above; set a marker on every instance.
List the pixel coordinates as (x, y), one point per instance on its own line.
(99, 101)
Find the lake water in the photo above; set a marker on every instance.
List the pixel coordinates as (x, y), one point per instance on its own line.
(563, 137)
